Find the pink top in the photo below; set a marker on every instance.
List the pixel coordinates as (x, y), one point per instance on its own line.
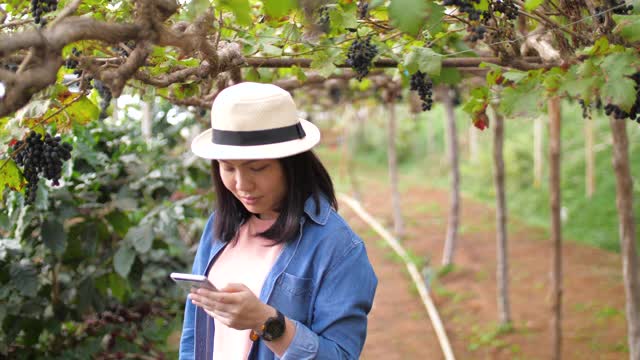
(246, 261)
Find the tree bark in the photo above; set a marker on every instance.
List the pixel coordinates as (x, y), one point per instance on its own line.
(454, 209)
(502, 268)
(398, 225)
(538, 126)
(556, 226)
(590, 181)
(627, 229)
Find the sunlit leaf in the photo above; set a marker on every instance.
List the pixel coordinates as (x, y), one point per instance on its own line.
(278, 8)
(531, 5)
(10, 176)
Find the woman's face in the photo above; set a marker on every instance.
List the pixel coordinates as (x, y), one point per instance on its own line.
(260, 185)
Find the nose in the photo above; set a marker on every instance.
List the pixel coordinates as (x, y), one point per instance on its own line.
(244, 183)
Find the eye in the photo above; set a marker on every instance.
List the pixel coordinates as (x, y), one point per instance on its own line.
(227, 168)
(258, 169)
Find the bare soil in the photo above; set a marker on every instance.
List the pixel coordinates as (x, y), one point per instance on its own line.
(594, 325)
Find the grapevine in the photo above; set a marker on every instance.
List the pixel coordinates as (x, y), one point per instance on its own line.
(421, 83)
(360, 56)
(41, 156)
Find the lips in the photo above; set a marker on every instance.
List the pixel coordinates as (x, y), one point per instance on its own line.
(249, 200)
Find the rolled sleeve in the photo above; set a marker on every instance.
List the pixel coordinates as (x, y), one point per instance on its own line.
(304, 344)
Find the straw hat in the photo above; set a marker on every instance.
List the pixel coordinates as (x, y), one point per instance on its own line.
(254, 121)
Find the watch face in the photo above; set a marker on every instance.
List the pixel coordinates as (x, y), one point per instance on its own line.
(274, 328)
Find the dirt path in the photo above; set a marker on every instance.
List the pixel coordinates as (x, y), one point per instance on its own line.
(594, 323)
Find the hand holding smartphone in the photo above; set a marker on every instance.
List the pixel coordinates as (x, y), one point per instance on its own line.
(189, 281)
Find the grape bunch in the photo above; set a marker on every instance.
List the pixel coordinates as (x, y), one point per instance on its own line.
(11, 67)
(634, 112)
(72, 63)
(477, 33)
(421, 83)
(41, 155)
(105, 96)
(619, 7)
(360, 56)
(41, 7)
(465, 6)
(506, 7)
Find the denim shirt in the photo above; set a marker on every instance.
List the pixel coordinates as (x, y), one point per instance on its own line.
(322, 281)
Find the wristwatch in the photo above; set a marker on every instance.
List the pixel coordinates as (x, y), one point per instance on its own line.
(272, 329)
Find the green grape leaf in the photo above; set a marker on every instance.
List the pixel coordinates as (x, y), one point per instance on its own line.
(54, 236)
(628, 26)
(120, 222)
(240, 8)
(278, 8)
(123, 259)
(531, 5)
(423, 59)
(619, 65)
(141, 237)
(620, 92)
(408, 15)
(10, 176)
(24, 277)
(434, 22)
(526, 98)
(119, 286)
(451, 76)
(323, 63)
(477, 101)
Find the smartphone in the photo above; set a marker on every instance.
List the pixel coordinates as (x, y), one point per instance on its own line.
(189, 281)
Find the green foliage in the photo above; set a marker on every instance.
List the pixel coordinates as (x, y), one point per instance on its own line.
(104, 241)
(424, 60)
(408, 15)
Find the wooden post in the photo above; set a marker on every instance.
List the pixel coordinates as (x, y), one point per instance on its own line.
(502, 268)
(392, 157)
(556, 226)
(454, 209)
(590, 181)
(627, 229)
(538, 158)
(473, 145)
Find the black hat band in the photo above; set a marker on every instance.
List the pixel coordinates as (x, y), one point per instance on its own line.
(258, 137)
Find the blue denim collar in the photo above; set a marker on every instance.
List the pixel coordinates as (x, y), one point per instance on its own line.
(321, 216)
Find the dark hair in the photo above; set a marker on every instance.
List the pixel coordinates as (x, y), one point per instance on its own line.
(305, 176)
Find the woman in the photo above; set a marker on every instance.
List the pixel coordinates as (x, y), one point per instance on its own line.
(293, 280)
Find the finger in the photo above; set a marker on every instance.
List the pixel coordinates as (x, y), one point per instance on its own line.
(222, 297)
(235, 287)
